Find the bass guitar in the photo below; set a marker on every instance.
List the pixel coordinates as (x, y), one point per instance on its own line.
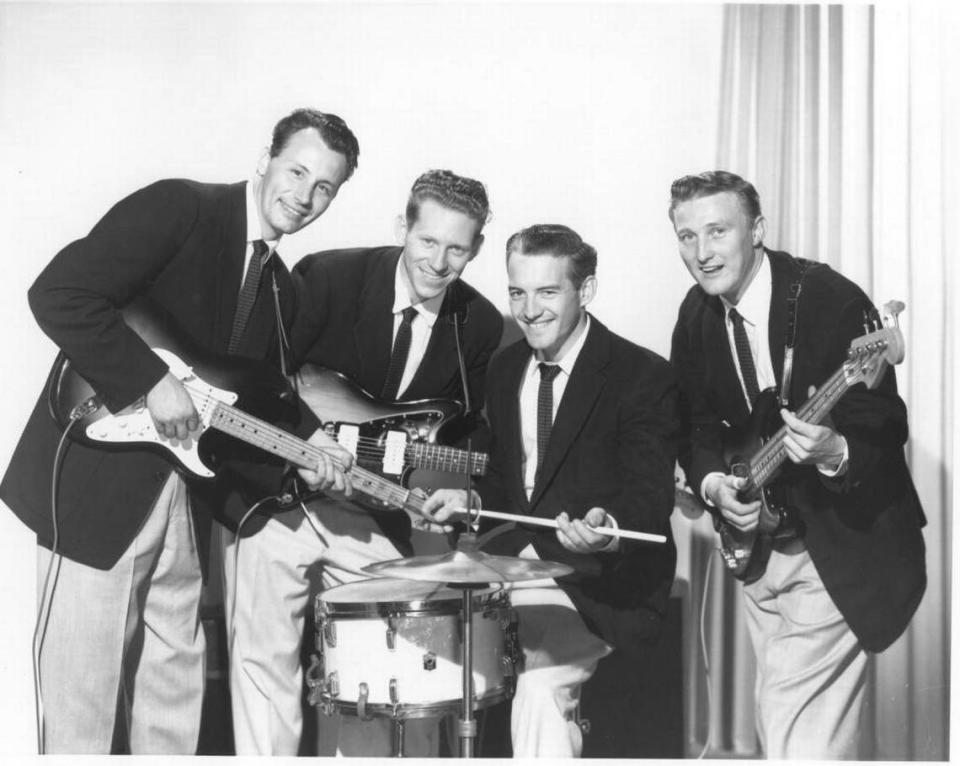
(745, 553)
(213, 383)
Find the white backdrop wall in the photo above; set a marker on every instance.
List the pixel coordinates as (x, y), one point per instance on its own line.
(580, 114)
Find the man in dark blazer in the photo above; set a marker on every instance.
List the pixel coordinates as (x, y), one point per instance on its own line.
(120, 613)
(584, 428)
(353, 305)
(847, 582)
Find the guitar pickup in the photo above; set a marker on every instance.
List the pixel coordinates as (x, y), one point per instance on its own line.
(348, 437)
(394, 452)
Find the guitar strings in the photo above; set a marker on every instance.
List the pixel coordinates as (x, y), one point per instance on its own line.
(260, 432)
(773, 452)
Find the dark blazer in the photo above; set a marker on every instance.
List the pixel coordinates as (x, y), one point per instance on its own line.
(345, 322)
(181, 245)
(613, 445)
(863, 529)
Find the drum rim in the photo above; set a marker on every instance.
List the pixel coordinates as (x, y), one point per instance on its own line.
(488, 598)
(402, 711)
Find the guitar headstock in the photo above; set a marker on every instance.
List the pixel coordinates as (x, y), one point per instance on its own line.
(881, 344)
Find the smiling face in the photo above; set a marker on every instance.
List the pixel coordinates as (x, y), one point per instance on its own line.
(547, 305)
(437, 247)
(719, 244)
(298, 184)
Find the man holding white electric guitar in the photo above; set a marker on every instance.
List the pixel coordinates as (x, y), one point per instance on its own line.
(375, 326)
(175, 290)
(802, 466)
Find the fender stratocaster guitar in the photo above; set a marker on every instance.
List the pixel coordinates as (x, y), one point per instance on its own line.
(213, 383)
(746, 553)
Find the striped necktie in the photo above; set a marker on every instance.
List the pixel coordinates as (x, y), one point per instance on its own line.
(545, 409)
(745, 356)
(398, 359)
(248, 294)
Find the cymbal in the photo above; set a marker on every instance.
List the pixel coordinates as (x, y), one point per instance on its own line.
(468, 567)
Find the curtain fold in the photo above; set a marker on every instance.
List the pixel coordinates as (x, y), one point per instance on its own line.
(844, 117)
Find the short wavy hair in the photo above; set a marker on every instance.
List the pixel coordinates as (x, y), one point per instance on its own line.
(559, 241)
(465, 195)
(715, 182)
(332, 129)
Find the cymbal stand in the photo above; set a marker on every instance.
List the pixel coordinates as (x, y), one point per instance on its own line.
(467, 542)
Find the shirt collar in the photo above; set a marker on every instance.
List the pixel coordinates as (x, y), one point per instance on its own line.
(569, 359)
(429, 309)
(254, 232)
(754, 304)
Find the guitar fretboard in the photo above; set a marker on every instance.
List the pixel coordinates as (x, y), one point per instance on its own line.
(271, 439)
(772, 454)
(437, 457)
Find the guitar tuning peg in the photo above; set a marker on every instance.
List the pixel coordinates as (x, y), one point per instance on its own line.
(875, 319)
(866, 322)
(891, 311)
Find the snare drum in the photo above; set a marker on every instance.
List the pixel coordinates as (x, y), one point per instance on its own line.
(393, 648)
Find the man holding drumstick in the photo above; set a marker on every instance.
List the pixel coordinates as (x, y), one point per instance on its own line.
(584, 432)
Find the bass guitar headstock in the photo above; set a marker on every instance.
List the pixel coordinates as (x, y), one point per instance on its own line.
(882, 344)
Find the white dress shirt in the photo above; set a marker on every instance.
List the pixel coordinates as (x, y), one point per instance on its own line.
(420, 329)
(254, 232)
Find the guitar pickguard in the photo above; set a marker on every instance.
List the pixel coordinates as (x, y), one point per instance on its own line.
(134, 424)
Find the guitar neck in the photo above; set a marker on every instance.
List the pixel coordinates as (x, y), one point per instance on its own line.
(772, 454)
(436, 457)
(269, 438)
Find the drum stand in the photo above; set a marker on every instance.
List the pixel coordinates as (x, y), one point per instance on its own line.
(467, 724)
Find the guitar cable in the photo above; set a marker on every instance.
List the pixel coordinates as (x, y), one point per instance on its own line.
(47, 592)
(706, 660)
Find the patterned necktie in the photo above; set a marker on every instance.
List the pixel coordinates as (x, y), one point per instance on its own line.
(745, 356)
(545, 409)
(248, 294)
(398, 359)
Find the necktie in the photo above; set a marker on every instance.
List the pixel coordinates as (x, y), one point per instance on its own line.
(745, 356)
(398, 359)
(545, 409)
(248, 294)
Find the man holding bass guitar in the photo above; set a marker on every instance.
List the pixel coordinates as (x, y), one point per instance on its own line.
(832, 556)
(119, 625)
(401, 324)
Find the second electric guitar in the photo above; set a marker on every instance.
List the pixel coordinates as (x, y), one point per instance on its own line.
(746, 553)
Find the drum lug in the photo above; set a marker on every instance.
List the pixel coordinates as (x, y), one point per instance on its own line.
(394, 694)
(391, 633)
(329, 631)
(321, 692)
(430, 661)
(333, 684)
(362, 702)
(314, 679)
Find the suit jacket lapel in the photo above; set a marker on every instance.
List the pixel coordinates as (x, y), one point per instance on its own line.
(230, 261)
(509, 404)
(434, 371)
(373, 332)
(715, 337)
(583, 389)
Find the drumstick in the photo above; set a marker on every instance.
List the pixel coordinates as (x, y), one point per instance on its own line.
(537, 521)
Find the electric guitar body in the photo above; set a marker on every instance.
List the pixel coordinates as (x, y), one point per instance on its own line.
(254, 386)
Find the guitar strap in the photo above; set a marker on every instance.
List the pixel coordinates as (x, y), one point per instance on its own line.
(462, 363)
(281, 330)
(791, 336)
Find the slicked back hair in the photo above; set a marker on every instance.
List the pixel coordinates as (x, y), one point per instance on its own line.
(715, 182)
(332, 129)
(465, 195)
(559, 241)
